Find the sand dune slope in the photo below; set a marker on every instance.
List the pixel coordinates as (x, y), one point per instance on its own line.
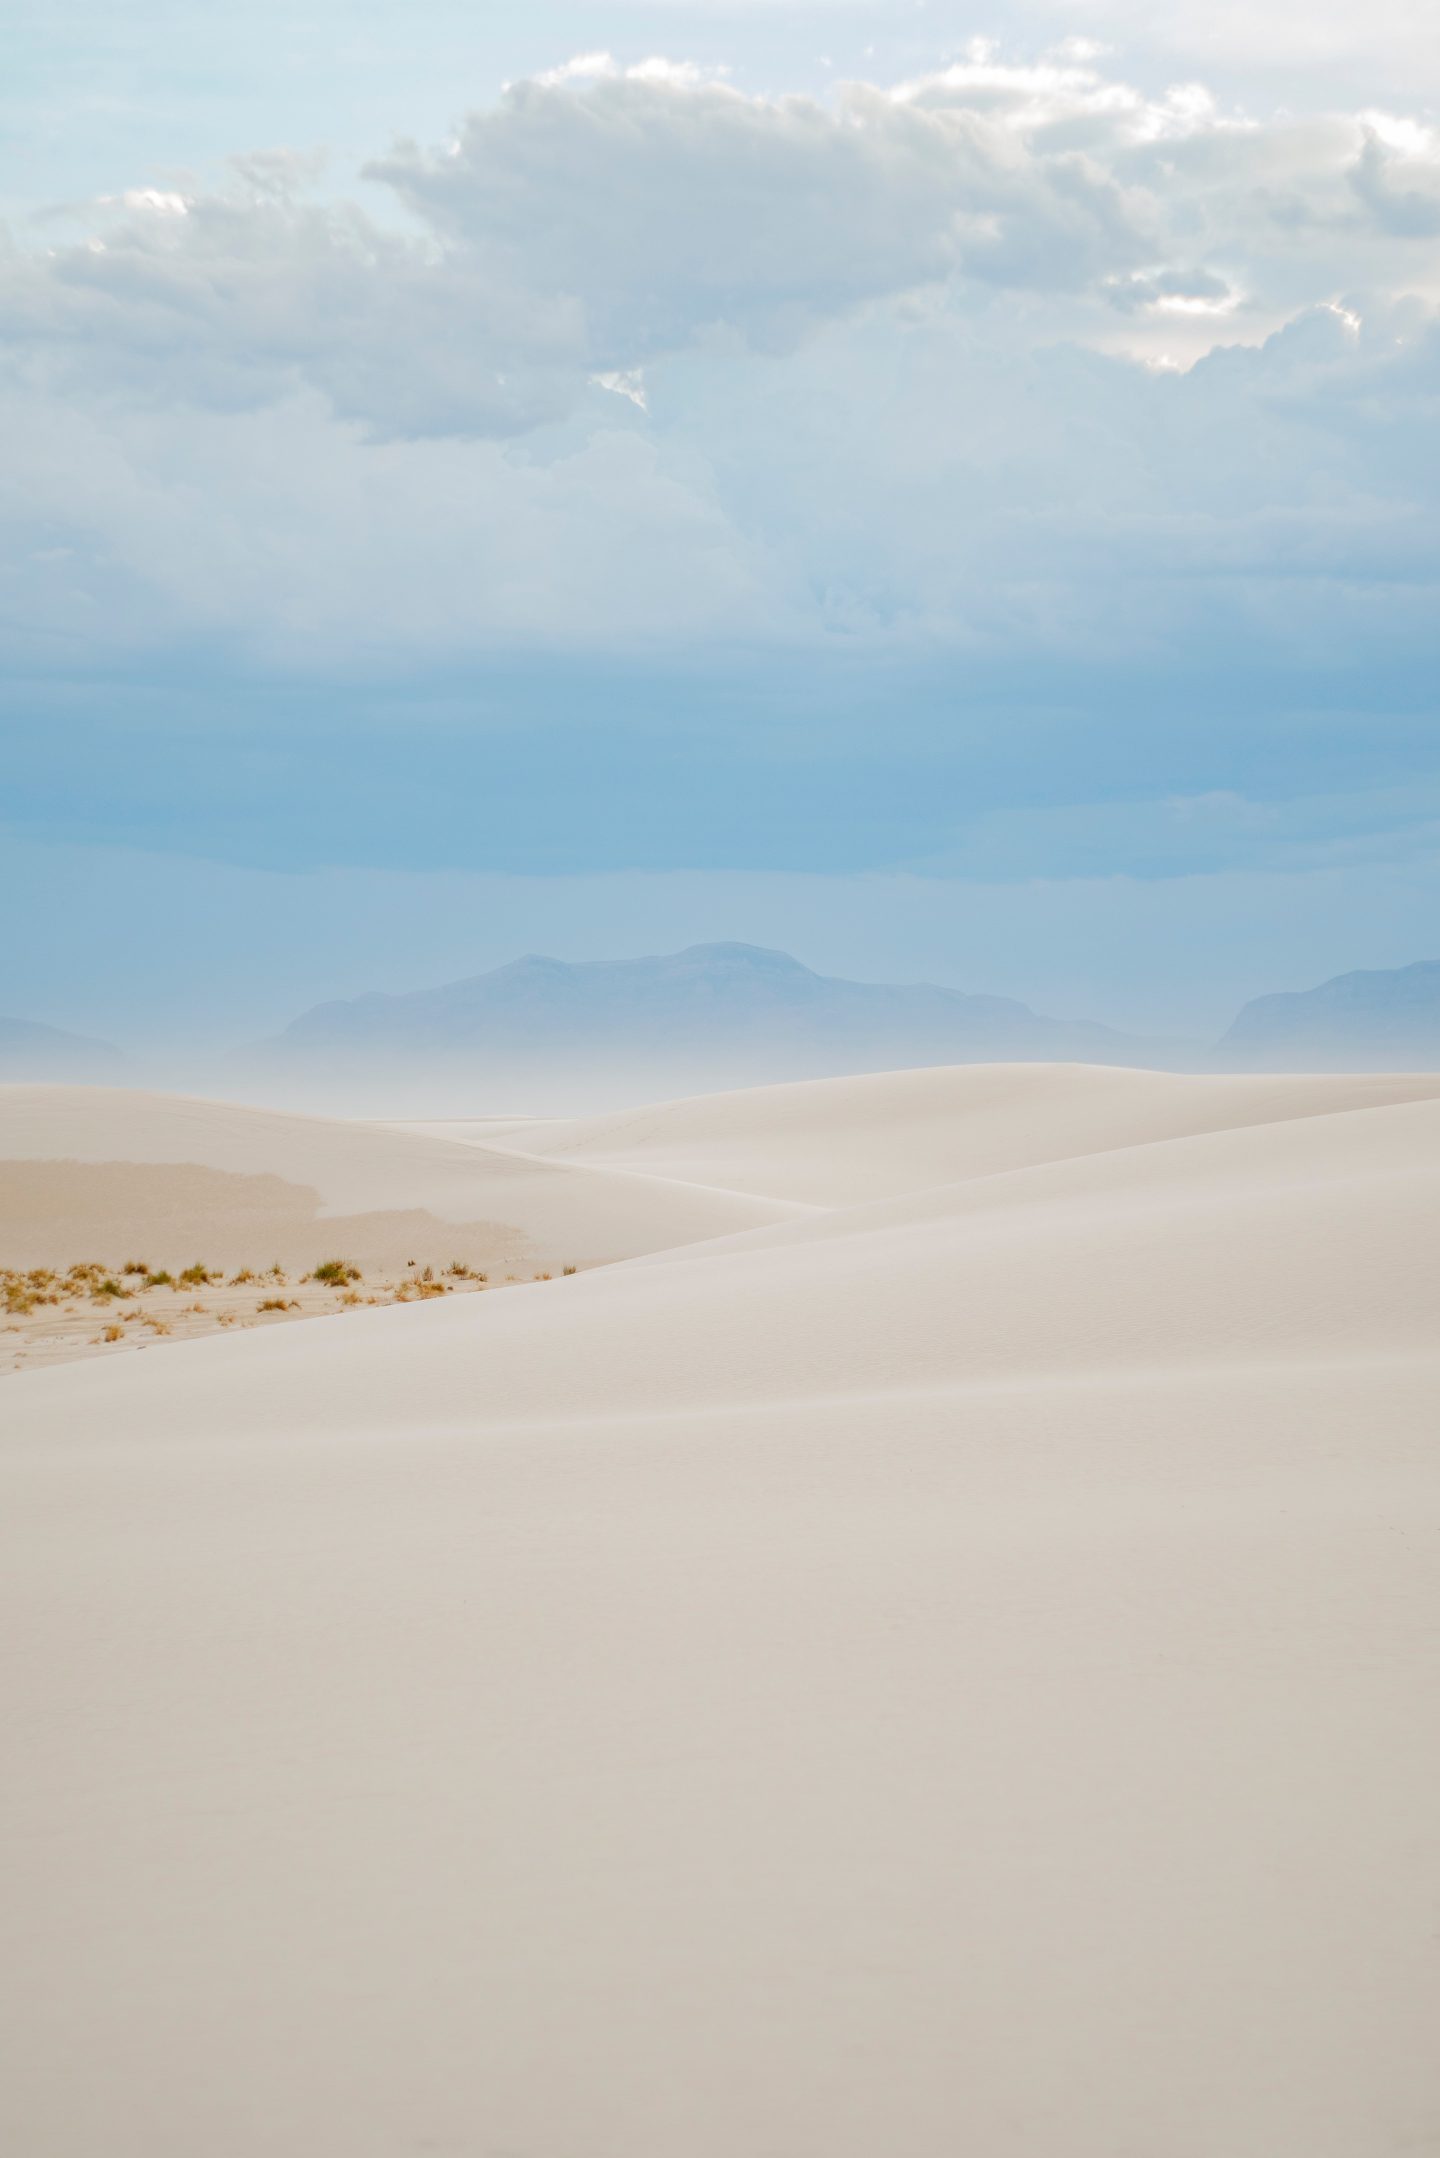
(835, 1142)
(380, 1190)
(1314, 1238)
(954, 1672)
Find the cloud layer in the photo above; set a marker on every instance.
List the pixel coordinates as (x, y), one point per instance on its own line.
(1002, 358)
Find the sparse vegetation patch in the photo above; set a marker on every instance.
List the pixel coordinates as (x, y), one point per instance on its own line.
(44, 1310)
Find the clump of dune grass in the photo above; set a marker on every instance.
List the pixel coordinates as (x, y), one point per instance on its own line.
(198, 1276)
(414, 1292)
(104, 1291)
(335, 1273)
(278, 1303)
(569, 1269)
(238, 1281)
(162, 1280)
(113, 1333)
(135, 1266)
(20, 1298)
(40, 1286)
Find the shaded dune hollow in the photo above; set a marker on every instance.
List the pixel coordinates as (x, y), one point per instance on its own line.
(173, 1213)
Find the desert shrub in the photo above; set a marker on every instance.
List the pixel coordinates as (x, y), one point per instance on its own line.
(278, 1303)
(196, 1276)
(162, 1280)
(107, 1288)
(113, 1333)
(135, 1266)
(569, 1270)
(238, 1281)
(336, 1272)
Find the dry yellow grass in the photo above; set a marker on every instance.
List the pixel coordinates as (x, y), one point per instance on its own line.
(49, 1312)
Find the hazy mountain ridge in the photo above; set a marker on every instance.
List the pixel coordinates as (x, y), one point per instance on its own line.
(29, 1050)
(1369, 1019)
(548, 1032)
(730, 1003)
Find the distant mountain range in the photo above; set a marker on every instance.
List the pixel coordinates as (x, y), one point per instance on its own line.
(543, 1035)
(1372, 1021)
(715, 1015)
(545, 1032)
(31, 1051)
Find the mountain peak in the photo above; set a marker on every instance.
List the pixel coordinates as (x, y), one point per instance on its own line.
(1370, 1018)
(715, 1014)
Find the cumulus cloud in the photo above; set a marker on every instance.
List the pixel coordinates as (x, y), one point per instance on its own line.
(1402, 191)
(600, 218)
(1005, 357)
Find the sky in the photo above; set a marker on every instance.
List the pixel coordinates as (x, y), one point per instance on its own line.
(947, 491)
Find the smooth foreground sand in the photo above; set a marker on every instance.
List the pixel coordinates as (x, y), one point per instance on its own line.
(950, 1668)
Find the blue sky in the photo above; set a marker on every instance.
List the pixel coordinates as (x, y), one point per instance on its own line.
(952, 492)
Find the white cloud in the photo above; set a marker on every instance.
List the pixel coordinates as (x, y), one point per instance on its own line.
(885, 348)
(602, 217)
(625, 382)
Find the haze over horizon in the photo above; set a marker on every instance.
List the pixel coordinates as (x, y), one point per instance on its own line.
(951, 498)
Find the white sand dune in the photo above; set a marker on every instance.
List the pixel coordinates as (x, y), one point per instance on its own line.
(380, 1190)
(834, 1142)
(950, 1670)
